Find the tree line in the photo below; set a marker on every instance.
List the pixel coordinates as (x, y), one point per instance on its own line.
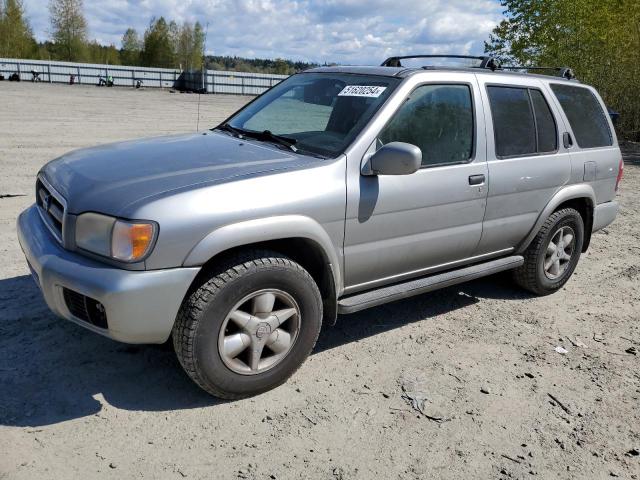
(164, 44)
(598, 39)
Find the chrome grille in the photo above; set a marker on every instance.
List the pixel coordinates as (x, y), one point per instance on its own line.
(51, 207)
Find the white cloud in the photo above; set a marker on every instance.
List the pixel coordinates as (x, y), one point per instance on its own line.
(345, 31)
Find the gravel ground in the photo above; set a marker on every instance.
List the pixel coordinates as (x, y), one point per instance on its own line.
(496, 399)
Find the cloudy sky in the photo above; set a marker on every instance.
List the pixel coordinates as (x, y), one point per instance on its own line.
(344, 31)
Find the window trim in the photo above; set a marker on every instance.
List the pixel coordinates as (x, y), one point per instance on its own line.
(603, 112)
(474, 129)
(535, 122)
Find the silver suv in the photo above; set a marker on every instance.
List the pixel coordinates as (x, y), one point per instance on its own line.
(339, 189)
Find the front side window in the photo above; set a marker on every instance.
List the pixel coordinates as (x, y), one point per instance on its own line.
(522, 122)
(321, 112)
(586, 117)
(439, 120)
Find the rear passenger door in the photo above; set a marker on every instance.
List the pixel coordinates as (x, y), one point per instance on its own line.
(526, 161)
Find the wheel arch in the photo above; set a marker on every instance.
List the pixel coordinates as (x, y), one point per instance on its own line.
(300, 238)
(580, 197)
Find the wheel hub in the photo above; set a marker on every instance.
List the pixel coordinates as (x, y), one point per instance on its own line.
(263, 330)
(559, 252)
(259, 331)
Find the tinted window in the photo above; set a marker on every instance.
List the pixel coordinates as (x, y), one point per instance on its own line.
(546, 125)
(439, 120)
(587, 119)
(513, 125)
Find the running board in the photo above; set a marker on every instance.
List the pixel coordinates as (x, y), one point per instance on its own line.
(372, 298)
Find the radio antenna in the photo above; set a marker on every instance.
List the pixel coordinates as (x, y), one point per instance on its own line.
(203, 85)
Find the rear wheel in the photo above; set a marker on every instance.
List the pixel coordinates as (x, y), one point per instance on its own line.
(553, 254)
(249, 326)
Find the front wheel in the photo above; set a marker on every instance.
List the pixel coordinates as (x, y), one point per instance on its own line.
(249, 326)
(553, 254)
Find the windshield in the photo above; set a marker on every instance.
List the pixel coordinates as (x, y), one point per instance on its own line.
(321, 113)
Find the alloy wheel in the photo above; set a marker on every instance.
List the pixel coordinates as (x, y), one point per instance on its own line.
(259, 331)
(559, 251)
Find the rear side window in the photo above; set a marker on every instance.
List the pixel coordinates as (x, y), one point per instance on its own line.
(439, 120)
(588, 120)
(545, 123)
(522, 122)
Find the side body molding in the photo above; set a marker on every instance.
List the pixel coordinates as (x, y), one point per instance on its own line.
(566, 193)
(264, 229)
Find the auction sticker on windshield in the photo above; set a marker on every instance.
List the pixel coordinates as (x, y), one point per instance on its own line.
(361, 91)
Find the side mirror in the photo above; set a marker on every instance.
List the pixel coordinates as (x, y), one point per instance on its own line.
(395, 158)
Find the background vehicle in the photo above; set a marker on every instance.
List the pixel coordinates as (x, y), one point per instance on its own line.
(339, 189)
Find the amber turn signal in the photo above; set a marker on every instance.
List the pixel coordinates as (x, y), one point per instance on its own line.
(130, 242)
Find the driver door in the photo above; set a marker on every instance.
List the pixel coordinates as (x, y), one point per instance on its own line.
(402, 226)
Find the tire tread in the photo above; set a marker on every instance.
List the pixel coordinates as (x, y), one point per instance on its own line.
(527, 275)
(195, 304)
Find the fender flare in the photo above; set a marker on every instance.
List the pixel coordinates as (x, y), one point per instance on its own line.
(566, 193)
(264, 229)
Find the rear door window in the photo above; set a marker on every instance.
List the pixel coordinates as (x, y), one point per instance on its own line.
(585, 114)
(513, 124)
(545, 123)
(522, 122)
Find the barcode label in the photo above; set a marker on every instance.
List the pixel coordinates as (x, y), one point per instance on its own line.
(361, 91)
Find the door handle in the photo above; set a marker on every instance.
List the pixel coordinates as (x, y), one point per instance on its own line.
(476, 179)
(567, 141)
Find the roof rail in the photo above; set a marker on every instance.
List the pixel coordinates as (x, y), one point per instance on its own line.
(485, 62)
(564, 72)
(488, 62)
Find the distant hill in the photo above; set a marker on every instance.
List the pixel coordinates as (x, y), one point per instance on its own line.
(256, 65)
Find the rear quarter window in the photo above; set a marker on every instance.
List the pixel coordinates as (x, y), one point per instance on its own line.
(585, 114)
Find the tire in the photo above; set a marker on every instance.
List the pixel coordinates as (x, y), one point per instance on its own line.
(242, 288)
(532, 275)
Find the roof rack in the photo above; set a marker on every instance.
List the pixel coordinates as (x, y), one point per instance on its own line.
(564, 72)
(485, 62)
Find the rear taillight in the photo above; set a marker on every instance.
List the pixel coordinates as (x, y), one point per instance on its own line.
(620, 172)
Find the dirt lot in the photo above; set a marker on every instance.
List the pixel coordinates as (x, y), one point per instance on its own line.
(76, 405)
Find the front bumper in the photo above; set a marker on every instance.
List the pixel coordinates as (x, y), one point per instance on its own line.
(140, 306)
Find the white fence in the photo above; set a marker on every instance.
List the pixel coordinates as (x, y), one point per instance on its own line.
(215, 81)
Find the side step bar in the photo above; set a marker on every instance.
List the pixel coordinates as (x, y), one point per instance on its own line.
(372, 298)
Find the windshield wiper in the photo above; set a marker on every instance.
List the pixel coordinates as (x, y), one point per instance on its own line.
(230, 128)
(264, 135)
(279, 139)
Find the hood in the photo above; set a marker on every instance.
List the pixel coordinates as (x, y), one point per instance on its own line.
(108, 178)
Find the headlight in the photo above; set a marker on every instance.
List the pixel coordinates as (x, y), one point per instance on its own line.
(127, 241)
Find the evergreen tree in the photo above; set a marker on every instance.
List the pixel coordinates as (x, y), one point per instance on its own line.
(98, 53)
(158, 49)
